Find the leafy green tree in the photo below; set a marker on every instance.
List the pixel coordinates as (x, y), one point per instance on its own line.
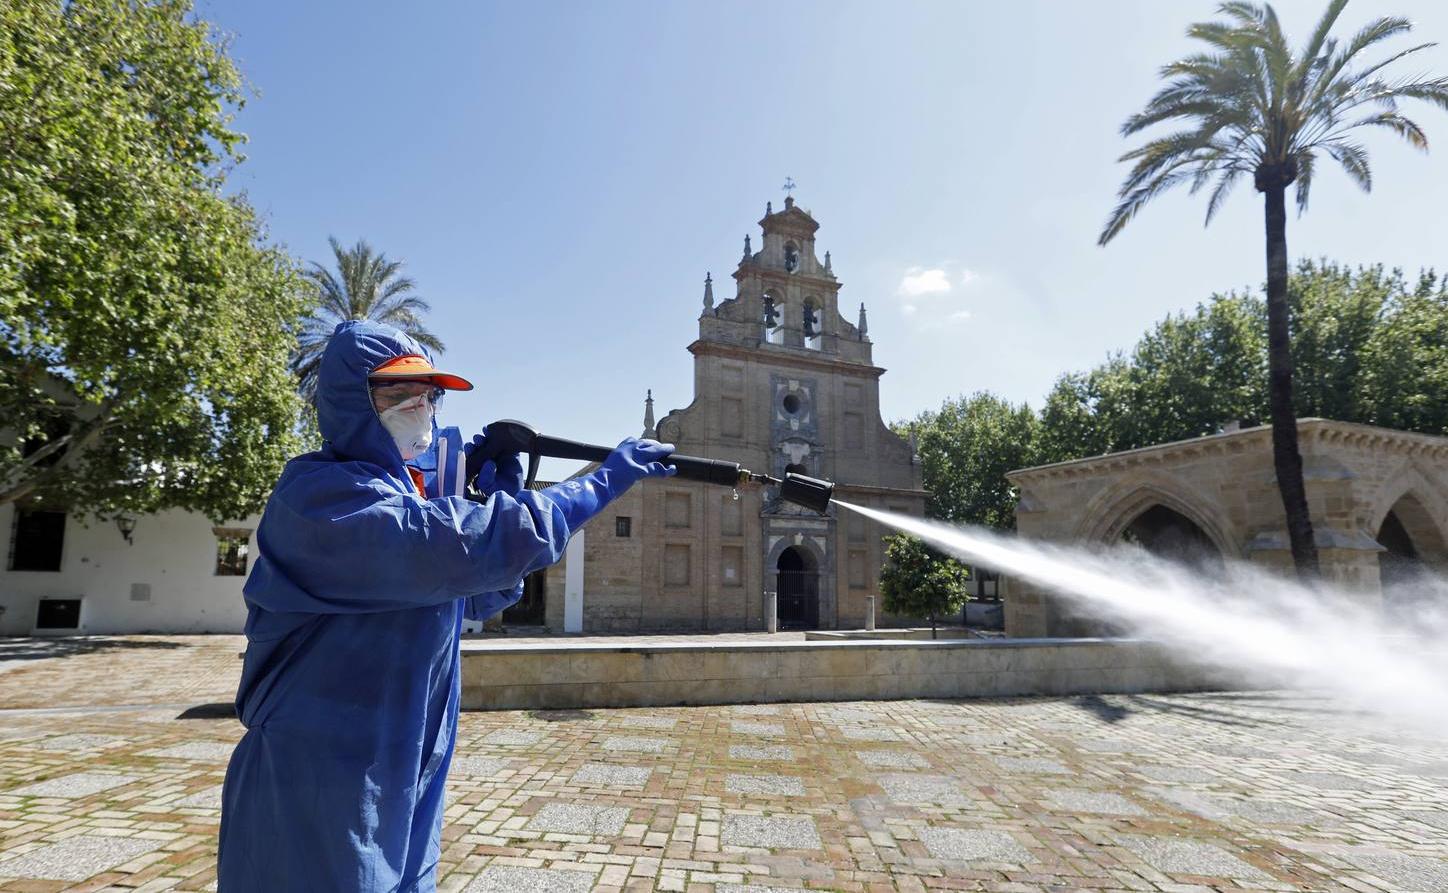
(1404, 382)
(1253, 107)
(1334, 312)
(919, 581)
(145, 326)
(365, 286)
(965, 449)
(1368, 350)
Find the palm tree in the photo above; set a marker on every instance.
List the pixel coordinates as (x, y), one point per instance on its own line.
(366, 286)
(1251, 107)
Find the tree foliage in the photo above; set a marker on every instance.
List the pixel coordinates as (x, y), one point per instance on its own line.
(145, 325)
(919, 581)
(965, 450)
(1371, 347)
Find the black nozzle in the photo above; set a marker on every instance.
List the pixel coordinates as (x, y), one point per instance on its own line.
(812, 493)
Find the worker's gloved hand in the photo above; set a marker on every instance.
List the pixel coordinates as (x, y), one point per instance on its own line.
(503, 475)
(633, 460)
(489, 476)
(640, 459)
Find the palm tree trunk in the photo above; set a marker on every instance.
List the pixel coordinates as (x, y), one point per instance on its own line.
(1286, 458)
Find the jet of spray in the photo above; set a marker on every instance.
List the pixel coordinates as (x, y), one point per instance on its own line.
(1267, 630)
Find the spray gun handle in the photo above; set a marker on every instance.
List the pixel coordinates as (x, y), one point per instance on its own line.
(508, 436)
(691, 468)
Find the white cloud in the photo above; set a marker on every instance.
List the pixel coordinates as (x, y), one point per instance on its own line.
(908, 309)
(919, 281)
(967, 277)
(960, 316)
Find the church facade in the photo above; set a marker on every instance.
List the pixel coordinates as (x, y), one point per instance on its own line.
(782, 382)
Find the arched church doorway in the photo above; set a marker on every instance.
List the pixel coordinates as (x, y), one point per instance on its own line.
(797, 590)
(1411, 546)
(1167, 533)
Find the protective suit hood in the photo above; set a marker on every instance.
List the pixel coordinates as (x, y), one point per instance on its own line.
(345, 414)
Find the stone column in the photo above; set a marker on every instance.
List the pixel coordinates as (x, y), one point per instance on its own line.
(771, 611)
(869, 612)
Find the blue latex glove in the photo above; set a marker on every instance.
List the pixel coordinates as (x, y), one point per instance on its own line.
(633, 460)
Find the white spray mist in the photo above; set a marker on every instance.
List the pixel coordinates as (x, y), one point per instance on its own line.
(1269, 630)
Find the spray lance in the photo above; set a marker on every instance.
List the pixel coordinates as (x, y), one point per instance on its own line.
(507, 436)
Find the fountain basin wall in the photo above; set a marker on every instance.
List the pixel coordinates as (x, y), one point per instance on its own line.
(574, 674)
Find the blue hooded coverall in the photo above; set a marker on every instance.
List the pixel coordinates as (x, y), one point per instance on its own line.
(350, 687)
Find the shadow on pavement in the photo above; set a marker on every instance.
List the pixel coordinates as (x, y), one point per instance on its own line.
(42, 647)
(221, 710)
(1102, 709)
(561, 715)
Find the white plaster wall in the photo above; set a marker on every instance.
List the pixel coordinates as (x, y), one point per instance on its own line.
(174, 551)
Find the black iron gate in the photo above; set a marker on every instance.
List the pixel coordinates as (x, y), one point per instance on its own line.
(798, 594)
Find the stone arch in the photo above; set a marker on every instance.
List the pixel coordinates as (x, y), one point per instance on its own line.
(806, 544)
(1423, 500)
(776, 297)
(812, 305)
(797, 566)
(1111, 512)
(1409, 531)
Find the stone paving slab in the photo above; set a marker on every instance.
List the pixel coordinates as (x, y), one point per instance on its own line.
(194, 750)
(515, 879)
(1189, 857)
(777, 752)
(1228, 792)
(75, 858)
(771, 832)
(579, 818)
(611, 775)
(769, 785)
(968, 846)
(891, 759)
(80, 784)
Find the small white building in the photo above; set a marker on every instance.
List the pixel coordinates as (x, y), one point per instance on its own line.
(172, 572)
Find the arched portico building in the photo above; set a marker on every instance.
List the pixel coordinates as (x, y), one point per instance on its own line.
(1379, 509)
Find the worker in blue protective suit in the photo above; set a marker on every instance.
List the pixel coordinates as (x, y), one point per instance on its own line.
(369, 564)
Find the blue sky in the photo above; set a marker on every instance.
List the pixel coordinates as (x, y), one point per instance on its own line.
(558, 177)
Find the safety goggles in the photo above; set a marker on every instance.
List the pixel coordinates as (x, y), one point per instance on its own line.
(386, 395)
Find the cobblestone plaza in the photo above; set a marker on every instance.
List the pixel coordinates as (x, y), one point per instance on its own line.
(112, 755)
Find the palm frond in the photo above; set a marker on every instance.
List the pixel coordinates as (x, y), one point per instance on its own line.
(362, 284)
(1247, 103)
(1306, 162)
(1403, 127)
(1354, 160)
(1312, 51)
(1225, 182)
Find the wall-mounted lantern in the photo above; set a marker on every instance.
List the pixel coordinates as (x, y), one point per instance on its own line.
(126, 525)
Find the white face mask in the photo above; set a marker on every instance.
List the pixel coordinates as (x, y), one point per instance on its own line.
(410, 424)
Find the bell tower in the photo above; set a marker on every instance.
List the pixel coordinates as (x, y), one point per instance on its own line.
(782, 382)
(784, 294)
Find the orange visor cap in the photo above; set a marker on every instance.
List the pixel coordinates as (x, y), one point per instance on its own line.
(414, 367)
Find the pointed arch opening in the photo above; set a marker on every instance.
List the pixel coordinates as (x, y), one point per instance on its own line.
(1167, 533)
(1413, 555)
